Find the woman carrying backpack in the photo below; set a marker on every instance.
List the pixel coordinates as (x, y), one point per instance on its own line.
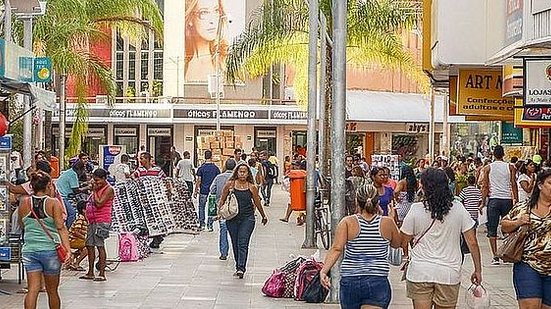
(242, 186)
(365, 238)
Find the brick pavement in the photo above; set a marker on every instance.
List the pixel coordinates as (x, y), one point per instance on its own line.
(188, 274)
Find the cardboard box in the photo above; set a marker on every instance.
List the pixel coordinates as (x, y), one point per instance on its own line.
(228, 151)
(229, 138)
(228, 133)
(237, 139)
(214, 145)
(238, 145)
(229, 145)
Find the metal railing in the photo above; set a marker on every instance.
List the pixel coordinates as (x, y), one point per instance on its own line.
(180, 100)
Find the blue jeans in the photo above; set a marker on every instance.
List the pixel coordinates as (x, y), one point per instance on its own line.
(71, 212)
(224, 246)
(267, 190)
(241, 229)
(203, 198)
(365, 290)
(531, 284)
(46, 262)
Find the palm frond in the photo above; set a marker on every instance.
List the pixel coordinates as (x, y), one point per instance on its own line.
(80, 125)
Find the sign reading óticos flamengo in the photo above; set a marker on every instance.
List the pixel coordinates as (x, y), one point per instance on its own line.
(479, 92)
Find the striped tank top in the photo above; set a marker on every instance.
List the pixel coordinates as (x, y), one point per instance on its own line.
(367, 254)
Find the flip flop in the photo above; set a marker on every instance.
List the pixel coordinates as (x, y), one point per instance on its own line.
(86, 277)
(100, 278)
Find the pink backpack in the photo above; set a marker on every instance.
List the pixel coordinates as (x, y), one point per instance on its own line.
(275, 285)
(128, 248)
(305, 273)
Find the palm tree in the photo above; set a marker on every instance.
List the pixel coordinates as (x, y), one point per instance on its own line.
(66, 33)
(278, 34)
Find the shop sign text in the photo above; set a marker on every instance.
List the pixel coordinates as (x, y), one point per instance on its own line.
(288, 115)
(480, 93)
(514, 20)
(537, 82)
(224, 114)
(412, 127)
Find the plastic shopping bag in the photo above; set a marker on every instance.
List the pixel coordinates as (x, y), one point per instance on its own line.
(286, 184)
(477, 297)
(395, 256)
(483, 218)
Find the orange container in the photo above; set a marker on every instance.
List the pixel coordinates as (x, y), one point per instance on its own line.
(298, 190)
(54, 164)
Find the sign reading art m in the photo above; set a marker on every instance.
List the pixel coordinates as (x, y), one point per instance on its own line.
(479, 93)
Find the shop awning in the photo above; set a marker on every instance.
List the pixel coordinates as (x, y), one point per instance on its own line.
(394, 107)
(42, 98)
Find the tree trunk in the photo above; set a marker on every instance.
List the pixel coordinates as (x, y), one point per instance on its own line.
(48, 132)
(328, 105)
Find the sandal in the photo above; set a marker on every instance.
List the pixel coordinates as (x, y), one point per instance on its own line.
(86, 277)
(284, 220)
(100, 278)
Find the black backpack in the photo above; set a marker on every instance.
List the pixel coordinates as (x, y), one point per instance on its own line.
(271, 170)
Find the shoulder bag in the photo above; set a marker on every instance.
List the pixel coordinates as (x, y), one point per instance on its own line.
(404, 268)
(513, 246)
(229, 209)
(61, 252)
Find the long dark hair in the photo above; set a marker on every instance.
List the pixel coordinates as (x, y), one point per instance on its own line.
(542, 176)
(411, 181)
(438, 197)
(234, 176)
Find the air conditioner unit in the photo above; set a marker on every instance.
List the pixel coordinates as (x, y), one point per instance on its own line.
(215, 86)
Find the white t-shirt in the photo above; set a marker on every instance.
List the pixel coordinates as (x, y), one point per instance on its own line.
(437, 256)
(120, 171)
(523, 195)
(185, 169)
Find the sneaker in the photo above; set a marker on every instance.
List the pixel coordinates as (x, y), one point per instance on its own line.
(239, 274)
(223, 257)
(495, 261)
(210, 229)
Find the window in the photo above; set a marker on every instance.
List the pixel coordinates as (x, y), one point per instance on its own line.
(158, 65)
(119, 89)
(145, 65)
(119, 66)
(131, 65)
(120, 42)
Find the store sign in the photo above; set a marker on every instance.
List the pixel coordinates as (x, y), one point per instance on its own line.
(224, 114)
(480, 93)
(289, 115)
(92, 132)
(122, 113)
(6, 142)
(453, 96)
(109, 154)
(537, 82)
(159, 132)
(266, 133)
(416, 128)
(540, 6)
(26, 69)
(42, 69)
(511, 135)
(351, 127)
(512, 80)
(514, 20)
(126, 132)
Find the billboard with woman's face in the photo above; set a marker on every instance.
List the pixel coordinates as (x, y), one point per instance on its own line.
(207, 23)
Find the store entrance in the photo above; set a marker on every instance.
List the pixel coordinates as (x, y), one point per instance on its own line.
(159, 143)
(265, 139)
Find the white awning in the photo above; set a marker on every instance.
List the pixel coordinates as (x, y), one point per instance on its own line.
(44, 99)
(394, 107)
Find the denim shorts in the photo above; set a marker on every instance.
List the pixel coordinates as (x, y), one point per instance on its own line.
(365, 290)
(43, 261)
(531, 284)
(497, 209)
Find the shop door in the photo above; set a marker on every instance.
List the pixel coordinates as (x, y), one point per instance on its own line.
(266, 139)
(160, 141)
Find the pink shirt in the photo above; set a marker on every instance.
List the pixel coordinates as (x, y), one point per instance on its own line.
(99, 214)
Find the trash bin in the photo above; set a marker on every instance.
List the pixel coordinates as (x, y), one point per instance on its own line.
(298, 190)
(54, 164)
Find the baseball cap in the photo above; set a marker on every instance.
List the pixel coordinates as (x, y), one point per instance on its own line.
(537, 159)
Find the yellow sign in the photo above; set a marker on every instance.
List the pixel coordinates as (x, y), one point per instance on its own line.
(480, 94)
(529, 117)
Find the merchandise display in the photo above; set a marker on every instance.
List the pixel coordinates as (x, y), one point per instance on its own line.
(390, 161)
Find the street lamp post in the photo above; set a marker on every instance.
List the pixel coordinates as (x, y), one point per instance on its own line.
(218, 69)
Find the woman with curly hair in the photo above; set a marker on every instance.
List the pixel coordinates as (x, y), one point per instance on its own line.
(363, 239)
(203, 18)
(435, 225)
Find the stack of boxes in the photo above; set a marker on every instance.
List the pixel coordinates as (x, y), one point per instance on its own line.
(222, 145)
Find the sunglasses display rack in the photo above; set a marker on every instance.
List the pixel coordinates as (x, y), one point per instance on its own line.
(387, 160)
(181, 205)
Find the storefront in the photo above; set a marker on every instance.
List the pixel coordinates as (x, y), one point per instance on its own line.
(96, 136)
(265, 138)
(158, 144)
(128, 136)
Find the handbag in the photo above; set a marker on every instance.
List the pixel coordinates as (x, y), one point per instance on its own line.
(395, 256)
(212, 211)
(61, 252)
(404, 268)
(513, 246)
(229, 209)
(315, 292)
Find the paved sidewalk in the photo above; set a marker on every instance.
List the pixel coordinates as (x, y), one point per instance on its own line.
(188, 274)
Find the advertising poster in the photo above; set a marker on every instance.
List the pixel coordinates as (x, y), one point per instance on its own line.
(4, 196)
(480, 94)
(110, 154)
(511, 135)
(534, 109)
(206, 23)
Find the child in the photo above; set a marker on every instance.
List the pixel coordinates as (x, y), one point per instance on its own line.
(471, 197)
(77, 238)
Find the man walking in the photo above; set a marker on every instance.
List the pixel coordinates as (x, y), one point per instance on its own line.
(499, 186)
(270, 173)
(216, 188)
(186, 171)
(205, 175)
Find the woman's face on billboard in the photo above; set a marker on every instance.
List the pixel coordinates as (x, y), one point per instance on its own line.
(207, 15)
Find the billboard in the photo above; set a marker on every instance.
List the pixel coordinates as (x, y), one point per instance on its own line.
(208, 22)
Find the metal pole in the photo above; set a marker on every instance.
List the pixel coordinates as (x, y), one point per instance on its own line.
(7, 21)
(309, 239)
(28, 119)
(445, 126)
(178, 76)
(431, 125)
(338, 189)
(217, 68)
(321, 92)
(62, 120)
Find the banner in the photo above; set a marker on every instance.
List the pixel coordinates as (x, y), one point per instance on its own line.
(537, 82)
(206, 23)
(480, 94)
(110, 154)
(511, 135)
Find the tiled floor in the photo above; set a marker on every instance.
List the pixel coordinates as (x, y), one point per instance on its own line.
(188, 274)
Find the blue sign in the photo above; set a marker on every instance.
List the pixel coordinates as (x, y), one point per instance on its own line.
(42, 69)
(26, 69)
(2, 58)
(5, 254)
(6, 142)
(110, 152)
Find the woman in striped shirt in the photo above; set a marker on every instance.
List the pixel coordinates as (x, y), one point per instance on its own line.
(365, 239)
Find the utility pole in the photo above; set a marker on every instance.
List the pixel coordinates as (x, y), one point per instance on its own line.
(217, 68)
(321, 92)
(7, 21)
(28, 118)
(309, 240)
(338, 189)
(431, 125)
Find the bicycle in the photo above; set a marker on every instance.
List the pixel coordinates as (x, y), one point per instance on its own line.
(322, 205)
